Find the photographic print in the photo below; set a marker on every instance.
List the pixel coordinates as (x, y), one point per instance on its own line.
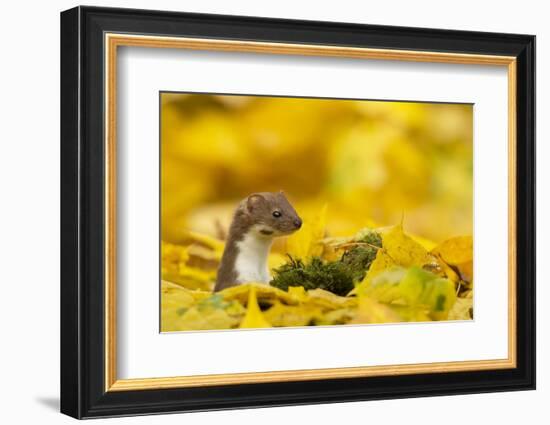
(278, 187)
(286, 211)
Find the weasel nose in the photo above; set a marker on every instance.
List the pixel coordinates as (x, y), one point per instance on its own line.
(298, 223)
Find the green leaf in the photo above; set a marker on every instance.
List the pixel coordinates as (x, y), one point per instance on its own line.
(413, 287)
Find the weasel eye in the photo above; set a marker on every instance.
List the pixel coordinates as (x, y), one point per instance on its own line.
(277, 214)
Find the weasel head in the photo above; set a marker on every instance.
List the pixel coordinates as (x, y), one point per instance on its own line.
(271, 214)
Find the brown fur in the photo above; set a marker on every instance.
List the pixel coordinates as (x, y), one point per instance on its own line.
(255, 211)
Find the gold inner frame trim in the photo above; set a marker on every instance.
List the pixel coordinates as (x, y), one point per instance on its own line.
(113, 41)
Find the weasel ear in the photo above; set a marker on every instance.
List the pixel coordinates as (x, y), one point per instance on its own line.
(254, 201)
(282, 194)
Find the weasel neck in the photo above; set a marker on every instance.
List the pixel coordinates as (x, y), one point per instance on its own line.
(251, 261)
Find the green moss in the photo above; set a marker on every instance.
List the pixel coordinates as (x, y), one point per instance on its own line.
(369, 236)
(333, 276)
(359, 258)
(337, 277)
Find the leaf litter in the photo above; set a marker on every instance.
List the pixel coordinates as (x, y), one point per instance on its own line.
(378, 275)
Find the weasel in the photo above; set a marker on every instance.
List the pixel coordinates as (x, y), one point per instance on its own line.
(257, 220)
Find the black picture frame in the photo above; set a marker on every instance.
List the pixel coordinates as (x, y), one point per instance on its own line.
(83, 392)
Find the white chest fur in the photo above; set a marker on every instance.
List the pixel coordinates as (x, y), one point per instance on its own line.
(251, 261)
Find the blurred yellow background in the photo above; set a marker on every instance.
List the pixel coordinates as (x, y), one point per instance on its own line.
(372, 163)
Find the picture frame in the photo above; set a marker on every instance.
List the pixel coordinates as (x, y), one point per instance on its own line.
(90, 40)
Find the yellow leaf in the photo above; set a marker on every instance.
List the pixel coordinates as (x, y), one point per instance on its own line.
(215, 244)
(339, 316)
(284, 315)
(203, 279)
(174, 301)
(195, 319)
(327, 300)
(371, 311)
(276, 260)
(412, 314)
(381, 263)
(403, 249)
(254, 317)
(398, 249)
(306, 242)
(184, 310)
(458, 252)
(203, 253)
(461, 309)
(455, 250)
(298, 293)
(426, 243)
(263, 292)
(174, 288)
(175, 268)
